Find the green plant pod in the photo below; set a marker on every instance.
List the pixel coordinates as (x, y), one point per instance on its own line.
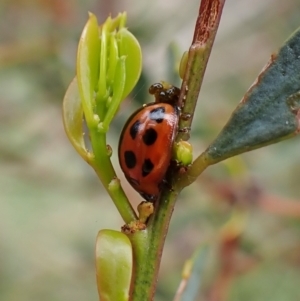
(183, 152)
(88, 66)
(113, 265)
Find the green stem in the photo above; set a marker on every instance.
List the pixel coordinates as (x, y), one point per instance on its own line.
(148, 247)
(198, 166)
(105, 171)
(148, 244)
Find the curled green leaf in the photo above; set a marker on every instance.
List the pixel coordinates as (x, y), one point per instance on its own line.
(113, 265)
(130, 48)
(72, 119)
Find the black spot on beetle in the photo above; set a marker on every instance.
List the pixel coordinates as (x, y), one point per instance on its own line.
(130, 159)
(149, 197)
(134, 129)
(147, 167)
(133, 182)
(150, 136)
(157, 114)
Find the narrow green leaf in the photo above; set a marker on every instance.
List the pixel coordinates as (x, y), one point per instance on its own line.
(270, 110)
(88, 65)
(113, 265)
(102, 85)
(118, 89)
(113, 58)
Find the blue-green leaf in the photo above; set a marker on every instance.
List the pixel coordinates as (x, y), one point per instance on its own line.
(270, 110)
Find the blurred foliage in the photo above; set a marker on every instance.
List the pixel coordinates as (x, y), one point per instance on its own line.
(51, 204)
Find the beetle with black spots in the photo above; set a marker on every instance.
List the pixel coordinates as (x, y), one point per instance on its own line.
(146, 141)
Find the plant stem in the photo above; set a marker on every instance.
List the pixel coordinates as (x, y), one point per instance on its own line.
(148, 244)
(198, 166)
(105, 171)
(205, 32)
(148, 247)
(207, 24)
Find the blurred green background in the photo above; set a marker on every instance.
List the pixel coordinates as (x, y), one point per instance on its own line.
(52, 204)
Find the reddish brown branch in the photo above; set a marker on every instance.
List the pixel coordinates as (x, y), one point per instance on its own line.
(208, 18)
(206, 27)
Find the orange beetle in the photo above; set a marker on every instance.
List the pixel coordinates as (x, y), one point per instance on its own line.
(145, 146)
